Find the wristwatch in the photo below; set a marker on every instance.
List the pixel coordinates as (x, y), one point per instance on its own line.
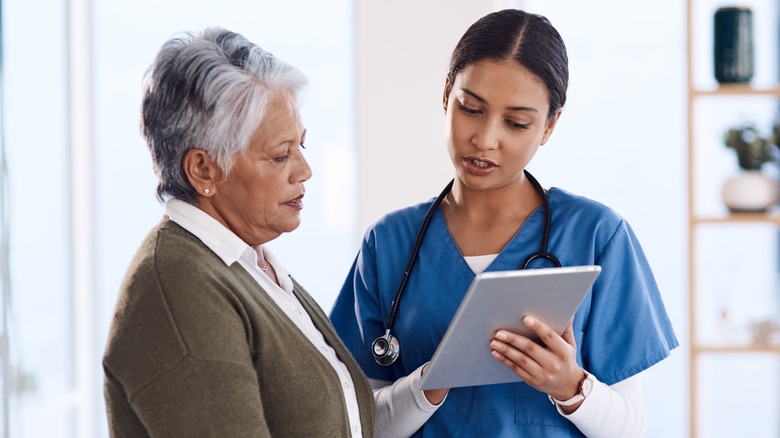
(586, 386)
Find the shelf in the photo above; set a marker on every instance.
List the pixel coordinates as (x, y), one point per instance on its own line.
(772, 217)
(751, 348)
(736, 90)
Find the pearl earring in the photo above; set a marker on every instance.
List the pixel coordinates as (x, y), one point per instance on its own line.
(206, 191)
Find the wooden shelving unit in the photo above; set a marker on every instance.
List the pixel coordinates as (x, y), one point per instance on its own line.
(735, 90)
(735, 218)
(738, 349)
(696, 220)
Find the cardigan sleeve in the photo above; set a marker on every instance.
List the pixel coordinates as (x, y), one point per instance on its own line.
(199, 398)
(178, 360)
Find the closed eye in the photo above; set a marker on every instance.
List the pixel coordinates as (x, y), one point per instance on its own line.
(515, 125)
(467, 110)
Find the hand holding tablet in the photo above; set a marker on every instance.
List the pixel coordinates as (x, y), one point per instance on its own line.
(500, 300)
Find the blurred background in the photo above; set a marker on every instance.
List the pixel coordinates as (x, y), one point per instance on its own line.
(642, 132)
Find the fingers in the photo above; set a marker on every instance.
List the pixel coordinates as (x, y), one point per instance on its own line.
(521, 350)
(558, 344)
(568, 334)
(543, 331)
(561, 345)
(548, 367)
(517, 352)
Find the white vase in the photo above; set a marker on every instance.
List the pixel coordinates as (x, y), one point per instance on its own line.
(750, 191)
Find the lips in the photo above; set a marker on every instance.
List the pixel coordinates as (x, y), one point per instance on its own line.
(479, 166)
(296, 203)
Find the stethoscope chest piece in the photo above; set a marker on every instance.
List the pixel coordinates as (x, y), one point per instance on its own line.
(385, 349)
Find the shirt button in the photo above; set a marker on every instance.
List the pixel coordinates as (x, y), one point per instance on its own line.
(355, 429)
(346, 385)
(299, 311)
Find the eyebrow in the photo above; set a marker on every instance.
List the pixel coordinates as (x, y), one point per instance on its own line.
(511, 108)
(291, 141)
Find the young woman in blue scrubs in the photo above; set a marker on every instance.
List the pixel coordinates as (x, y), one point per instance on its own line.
(503, 97)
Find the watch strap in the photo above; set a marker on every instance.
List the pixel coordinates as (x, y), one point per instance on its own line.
(578, 397)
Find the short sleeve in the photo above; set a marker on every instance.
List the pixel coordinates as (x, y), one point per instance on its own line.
(628, 329)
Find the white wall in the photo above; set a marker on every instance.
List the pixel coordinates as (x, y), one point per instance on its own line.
(403, 50)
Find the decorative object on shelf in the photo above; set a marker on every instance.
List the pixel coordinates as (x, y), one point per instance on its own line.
(764, 331)
(752, 190)
(733, 45)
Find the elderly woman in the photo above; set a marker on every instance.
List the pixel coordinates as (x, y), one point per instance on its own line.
(211, 335)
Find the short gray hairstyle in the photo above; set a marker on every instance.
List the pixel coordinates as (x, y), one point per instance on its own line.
(207, 90)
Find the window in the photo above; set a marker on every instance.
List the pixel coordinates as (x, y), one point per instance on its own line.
(52, 345)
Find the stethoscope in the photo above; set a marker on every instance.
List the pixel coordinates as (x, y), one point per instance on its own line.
(386, 348)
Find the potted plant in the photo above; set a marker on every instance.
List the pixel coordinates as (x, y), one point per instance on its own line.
(752, 190)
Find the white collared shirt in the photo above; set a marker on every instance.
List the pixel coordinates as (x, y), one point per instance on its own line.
(230, 248)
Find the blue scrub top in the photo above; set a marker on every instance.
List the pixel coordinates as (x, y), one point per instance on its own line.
(621, 328)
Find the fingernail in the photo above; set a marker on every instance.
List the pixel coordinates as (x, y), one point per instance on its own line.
(501, 335)
(530, 321)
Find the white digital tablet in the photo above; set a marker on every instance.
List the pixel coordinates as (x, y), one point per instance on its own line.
(500, 300)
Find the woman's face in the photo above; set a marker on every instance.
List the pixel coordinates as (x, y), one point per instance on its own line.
(263, 196)
(497, 117)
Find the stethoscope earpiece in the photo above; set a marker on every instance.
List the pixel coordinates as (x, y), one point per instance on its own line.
(385, 349)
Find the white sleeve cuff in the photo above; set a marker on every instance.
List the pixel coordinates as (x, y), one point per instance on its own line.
(611, 411)
(401, 407)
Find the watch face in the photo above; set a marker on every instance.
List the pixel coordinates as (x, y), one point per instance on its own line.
(587, 386)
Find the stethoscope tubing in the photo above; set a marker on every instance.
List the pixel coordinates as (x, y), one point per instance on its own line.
(543, 253)
(416, 250)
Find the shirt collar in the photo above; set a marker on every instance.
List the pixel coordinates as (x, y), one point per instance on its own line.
(225, 244)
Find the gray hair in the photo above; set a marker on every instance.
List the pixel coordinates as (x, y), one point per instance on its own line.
(209, 91)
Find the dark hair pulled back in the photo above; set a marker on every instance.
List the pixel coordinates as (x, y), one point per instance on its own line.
(528, 39)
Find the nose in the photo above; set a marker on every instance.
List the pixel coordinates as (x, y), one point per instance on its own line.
(302, 170)
(487, 135)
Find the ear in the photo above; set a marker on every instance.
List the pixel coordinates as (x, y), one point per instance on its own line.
(446, 97)
(202, 172)
(550, 127)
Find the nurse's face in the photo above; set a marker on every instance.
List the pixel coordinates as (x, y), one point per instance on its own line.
(263, 196)
(497, 117)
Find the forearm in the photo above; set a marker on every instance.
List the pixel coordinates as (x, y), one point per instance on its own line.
(198, 396)
(612, 411)
(401, 406)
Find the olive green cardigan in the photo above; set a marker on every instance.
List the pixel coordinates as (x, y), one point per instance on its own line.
(198, 349)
